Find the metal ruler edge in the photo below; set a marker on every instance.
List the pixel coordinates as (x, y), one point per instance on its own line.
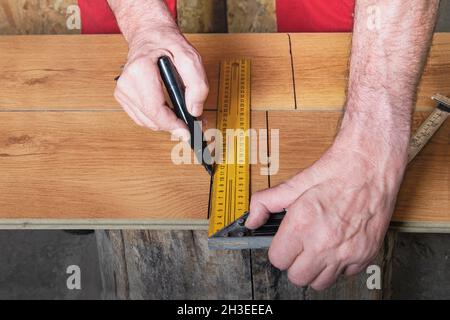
(232, 176)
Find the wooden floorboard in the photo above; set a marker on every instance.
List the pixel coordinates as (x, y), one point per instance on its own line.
(98, 168)
(68, 152)
(320, 63)
(77, 72)
(98, 165)
(424, 193)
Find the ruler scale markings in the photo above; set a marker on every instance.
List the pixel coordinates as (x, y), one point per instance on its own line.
(231, 184)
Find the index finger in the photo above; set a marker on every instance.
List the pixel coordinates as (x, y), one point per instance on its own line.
(190, 67)
(288, 241)
(152, 100)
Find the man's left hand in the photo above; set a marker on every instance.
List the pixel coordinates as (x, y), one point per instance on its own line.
(338, 210)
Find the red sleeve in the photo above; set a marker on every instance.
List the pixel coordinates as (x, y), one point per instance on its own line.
(292, 15)
(97, 17)
(315, 15)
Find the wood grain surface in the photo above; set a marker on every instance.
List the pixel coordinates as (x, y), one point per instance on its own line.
(153, 264)
(320, 63)
(68, 152)
(271, 283)
(88, 165)
(170, 265)
(77, 72)
(202, 16)
(251, 16)
(424, 195)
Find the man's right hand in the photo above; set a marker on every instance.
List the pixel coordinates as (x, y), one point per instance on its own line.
(139, 89)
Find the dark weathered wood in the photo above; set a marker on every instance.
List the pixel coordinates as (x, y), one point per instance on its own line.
(251, 16)
(179, 265)
(112, 264)
(171, 265)
(270, 283)
(198, 16)
(355, 287)
(39, 17)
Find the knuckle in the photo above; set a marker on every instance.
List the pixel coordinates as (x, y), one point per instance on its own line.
(192, 55)
(136, 67)
(275, 260)
(203, 86)
(132, 68)
(296, 279)
(319, 286)
(353, 271)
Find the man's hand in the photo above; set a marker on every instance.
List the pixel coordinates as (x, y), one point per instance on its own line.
(338, 210)
(152, 33)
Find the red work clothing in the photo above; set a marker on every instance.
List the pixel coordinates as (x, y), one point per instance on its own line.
(292, 15)
(98, 18)
(315, 15)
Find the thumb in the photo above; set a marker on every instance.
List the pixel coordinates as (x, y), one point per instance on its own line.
(268, 201)
(273, 200)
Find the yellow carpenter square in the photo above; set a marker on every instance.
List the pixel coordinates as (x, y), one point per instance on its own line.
(231, 181)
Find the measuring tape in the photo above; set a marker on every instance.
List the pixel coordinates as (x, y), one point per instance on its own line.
(230, 194)
(429, 127)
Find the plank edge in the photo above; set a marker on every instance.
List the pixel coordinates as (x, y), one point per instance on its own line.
(97, 224)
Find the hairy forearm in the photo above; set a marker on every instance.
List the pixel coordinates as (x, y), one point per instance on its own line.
(152, 33)
(391, 39)
(139, 19)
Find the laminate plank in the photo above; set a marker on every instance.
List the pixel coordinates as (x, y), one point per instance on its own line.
(271, 73)
(85, 166)
(77, 72)
(320, 63)
(423, 197)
